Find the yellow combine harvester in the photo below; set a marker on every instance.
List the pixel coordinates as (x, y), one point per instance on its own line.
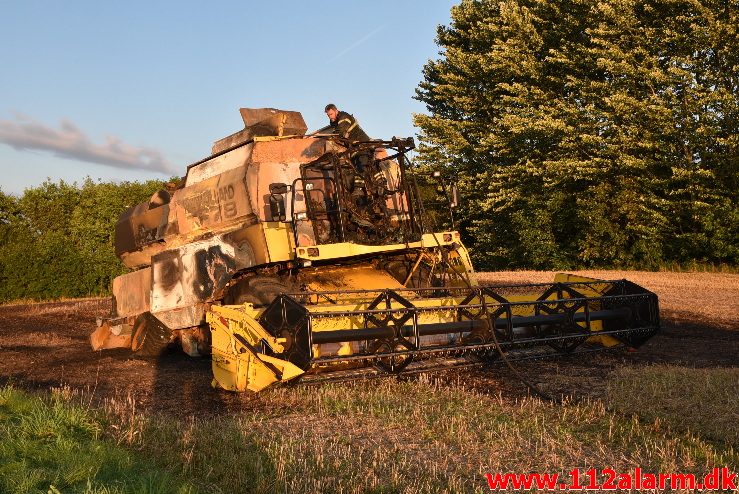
(284, 255)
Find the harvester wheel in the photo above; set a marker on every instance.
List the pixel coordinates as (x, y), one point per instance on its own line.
(150, 336)
(393, 364)
(257, 290)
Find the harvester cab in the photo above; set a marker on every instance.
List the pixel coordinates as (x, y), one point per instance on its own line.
(284, 255)
(357, 195)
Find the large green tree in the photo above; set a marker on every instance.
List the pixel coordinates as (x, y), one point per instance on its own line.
(589, 133)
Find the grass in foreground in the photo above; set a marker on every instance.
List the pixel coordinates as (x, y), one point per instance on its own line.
(381, 436)
(52, 445)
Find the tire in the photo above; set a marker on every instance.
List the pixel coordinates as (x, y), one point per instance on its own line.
(150, 336)
(257, 290)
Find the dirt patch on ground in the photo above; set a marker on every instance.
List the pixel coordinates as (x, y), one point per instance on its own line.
(45, 345)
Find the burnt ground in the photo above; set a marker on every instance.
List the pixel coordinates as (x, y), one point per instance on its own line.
(46, 345)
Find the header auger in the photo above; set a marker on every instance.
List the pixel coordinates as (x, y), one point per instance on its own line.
(319, 334)
(289, 256)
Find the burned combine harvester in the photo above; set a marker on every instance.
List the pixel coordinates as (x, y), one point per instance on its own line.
(285, 255)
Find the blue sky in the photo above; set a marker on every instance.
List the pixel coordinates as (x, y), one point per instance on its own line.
(137, 90)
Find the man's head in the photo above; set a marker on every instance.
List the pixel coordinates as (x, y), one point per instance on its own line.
(331, 111)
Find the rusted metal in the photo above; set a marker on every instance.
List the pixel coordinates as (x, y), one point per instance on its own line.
(109, 335)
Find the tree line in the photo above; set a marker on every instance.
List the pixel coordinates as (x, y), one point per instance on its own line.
(56, 240)
(589, 134)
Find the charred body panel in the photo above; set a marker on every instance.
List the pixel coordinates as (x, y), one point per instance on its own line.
(259, 122)
(132, 293)
(140, 226)
(193, 273)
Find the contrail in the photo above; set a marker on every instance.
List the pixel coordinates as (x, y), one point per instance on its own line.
(357, 43)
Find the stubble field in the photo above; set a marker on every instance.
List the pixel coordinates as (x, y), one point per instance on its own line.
(671, 405)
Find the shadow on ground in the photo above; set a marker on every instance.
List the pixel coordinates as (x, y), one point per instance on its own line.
(46, 345)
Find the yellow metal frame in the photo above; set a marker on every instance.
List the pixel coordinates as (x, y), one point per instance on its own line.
(237, 364)
(445, 311)
(349, 249)
(590, 290)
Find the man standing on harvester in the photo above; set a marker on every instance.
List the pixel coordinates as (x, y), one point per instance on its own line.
(346, 126)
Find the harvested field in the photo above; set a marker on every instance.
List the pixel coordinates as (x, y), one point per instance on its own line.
(669, 407)
(46, 344)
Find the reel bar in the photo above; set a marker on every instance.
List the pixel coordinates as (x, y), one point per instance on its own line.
(305, 297)
(467, 349)
(339, 336)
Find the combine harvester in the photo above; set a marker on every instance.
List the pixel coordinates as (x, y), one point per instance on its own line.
(285, 255)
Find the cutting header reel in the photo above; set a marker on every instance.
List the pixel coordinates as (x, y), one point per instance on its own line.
(324, 335)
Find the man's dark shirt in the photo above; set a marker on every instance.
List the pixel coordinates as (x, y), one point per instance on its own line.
(347, 127)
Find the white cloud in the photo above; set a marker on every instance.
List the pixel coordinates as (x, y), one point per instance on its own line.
(69, 142)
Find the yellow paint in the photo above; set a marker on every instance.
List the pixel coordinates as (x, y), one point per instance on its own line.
(236, 364)
(595, 290)
(349, 249)
(279, 240)
(355, 277)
